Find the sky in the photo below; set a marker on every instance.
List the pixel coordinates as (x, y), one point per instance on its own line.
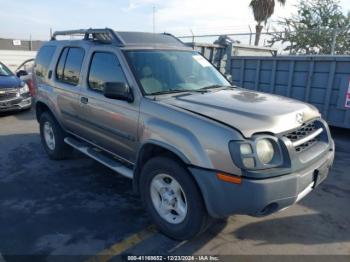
(21, 18)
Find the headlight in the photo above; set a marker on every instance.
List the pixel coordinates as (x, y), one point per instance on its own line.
(24, 89)
(265, 151)
(261, 152)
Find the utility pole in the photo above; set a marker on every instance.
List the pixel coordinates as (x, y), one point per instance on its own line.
(192, 37)
(334, 41)
(250, 36)
(30, 42)
(154, 19)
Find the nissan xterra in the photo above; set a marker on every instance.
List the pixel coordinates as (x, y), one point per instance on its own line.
(152, 109)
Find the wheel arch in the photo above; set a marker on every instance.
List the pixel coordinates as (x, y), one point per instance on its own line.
(41, 107)
(152, 149)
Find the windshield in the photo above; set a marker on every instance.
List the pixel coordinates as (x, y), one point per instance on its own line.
(4, 71)
(173, 71)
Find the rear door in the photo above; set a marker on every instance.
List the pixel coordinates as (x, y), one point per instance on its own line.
(67, 85)
(109, 123)
(41, 69)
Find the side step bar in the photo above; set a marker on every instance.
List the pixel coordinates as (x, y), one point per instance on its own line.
(100, 157)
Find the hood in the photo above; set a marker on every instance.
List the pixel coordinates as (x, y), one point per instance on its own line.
(9, 82)
(248, 111)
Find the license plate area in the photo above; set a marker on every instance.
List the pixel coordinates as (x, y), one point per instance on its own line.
(320, 174)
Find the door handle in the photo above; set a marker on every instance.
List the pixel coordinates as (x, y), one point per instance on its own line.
(84, 100)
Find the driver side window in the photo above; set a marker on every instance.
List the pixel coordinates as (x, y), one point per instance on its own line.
(104, 68)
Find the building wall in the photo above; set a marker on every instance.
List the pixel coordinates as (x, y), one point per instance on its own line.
(24, 45)
(13, 58)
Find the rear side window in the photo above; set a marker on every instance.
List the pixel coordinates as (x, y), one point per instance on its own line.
(43, 60)
(60, 65)
(104, 68)
(69, 65)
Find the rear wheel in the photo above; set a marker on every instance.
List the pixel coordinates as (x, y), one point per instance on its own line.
(172, 198)
(52, 137)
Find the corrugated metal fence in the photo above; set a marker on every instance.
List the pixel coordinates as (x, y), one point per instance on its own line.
(320, 80)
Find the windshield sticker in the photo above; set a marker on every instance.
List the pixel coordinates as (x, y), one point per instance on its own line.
(201, 60)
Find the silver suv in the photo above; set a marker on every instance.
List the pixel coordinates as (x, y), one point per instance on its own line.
(155, 111)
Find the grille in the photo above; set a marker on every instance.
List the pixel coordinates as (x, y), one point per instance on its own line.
(7, 96)
(302, 132)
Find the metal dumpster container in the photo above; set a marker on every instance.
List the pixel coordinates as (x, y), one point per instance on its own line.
(323, 81)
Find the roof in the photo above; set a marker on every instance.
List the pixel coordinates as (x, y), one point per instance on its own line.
(142, 38)
(125, 39)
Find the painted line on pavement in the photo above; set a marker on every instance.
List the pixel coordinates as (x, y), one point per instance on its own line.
(118, 248)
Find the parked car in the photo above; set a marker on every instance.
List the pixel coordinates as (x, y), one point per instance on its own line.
(24, 72)
(14, 93)
(197, 148)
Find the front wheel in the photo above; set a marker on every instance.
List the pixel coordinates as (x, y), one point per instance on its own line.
(52, 137)
(172, 198)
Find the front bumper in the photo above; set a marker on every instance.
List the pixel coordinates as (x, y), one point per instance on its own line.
(19, 103)
(259, 197)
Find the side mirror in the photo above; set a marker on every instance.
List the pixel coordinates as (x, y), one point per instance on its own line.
(21, 73)
(118, 90)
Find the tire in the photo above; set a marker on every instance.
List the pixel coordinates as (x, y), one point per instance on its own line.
(183, 227)
(57, 149)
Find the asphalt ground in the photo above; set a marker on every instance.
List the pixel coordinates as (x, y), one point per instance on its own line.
(79, 210)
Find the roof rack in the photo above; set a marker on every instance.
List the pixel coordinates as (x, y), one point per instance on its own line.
(105, 35)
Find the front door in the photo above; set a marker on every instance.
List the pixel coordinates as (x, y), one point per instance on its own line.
(109, 123)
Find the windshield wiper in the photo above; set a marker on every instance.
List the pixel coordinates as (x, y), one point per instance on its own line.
(200, 90)
(170, 91)
(213, 86)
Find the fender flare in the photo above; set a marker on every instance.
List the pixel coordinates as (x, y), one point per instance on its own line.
(168, 147)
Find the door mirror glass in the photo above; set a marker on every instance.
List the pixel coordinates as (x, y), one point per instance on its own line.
(117, 90)
(21, 73)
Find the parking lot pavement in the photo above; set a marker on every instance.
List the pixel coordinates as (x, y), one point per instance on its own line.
(79, 207)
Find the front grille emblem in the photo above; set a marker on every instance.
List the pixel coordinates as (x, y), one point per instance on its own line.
(300, 118)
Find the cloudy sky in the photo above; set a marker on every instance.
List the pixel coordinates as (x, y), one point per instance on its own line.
(20, 18)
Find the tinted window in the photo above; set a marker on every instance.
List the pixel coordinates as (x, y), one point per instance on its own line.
(105, 67)
(164, 71)
(69, 65)
(60, 65)
(43, 60)
(73, 65)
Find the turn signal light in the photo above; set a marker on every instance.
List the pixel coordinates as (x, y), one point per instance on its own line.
(229, 178)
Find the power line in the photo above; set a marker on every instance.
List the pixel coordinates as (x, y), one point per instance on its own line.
(262, 33)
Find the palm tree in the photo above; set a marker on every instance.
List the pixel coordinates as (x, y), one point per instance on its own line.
(262, 10)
